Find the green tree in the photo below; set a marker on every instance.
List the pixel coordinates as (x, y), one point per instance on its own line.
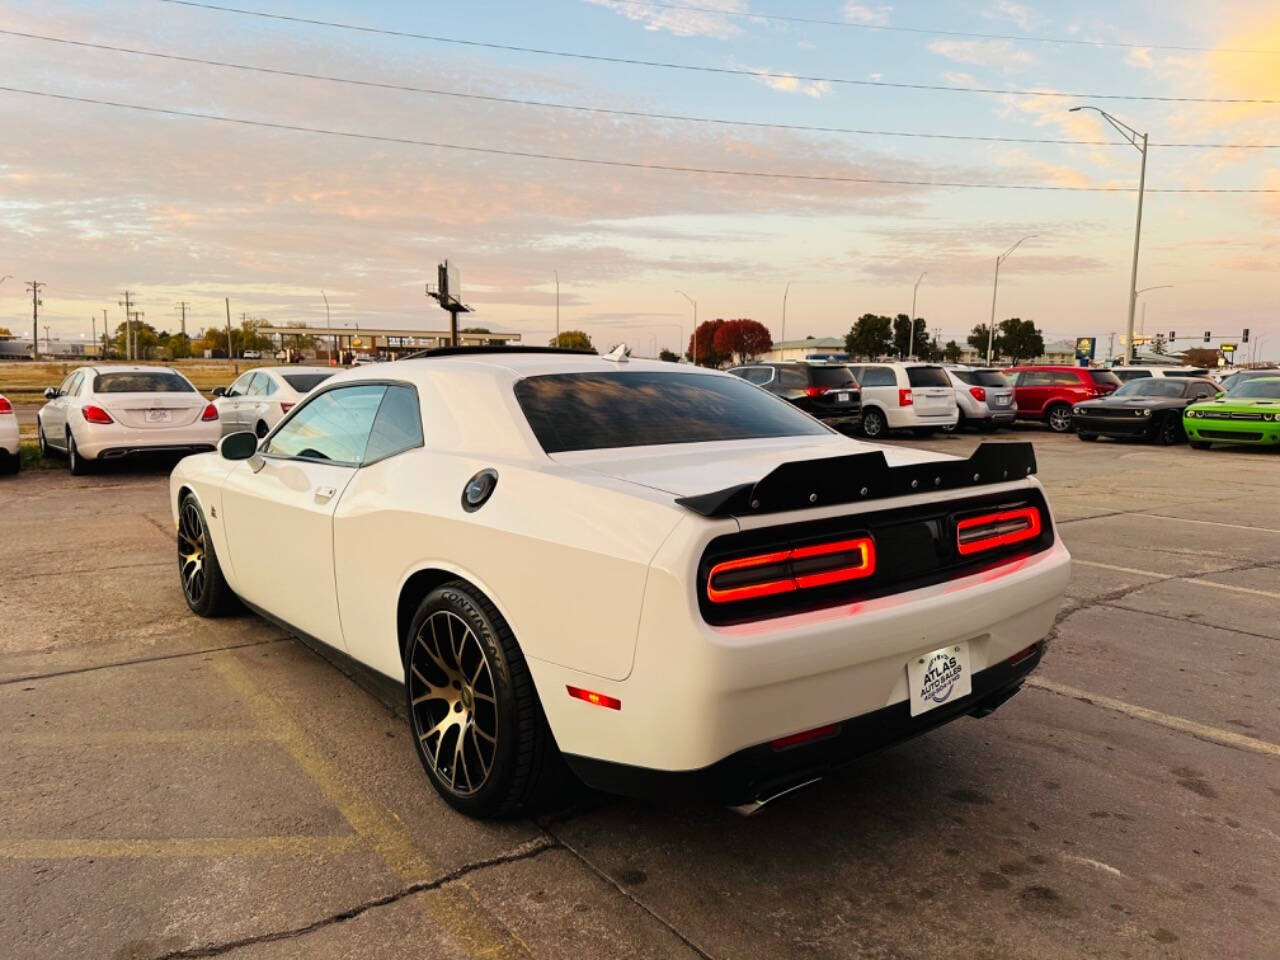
(1019, 340)
(978, 340)
(870, 337)
(572, 340)
(952, 352)
(145, 340)
(5, 332)
(670, 356)
(902, 335)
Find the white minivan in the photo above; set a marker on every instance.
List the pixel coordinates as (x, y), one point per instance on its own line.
(905, 396)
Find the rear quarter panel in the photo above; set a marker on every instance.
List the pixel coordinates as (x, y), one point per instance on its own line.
(564, 559)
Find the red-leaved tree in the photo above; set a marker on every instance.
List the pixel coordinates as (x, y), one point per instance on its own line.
(743, 339)
(702, 347)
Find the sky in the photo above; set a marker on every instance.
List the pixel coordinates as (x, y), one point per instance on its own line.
(97, 199)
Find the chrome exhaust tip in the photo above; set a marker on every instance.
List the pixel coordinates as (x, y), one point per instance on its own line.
(753, 807)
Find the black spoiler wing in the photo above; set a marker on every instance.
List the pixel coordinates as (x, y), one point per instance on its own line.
(862, 476)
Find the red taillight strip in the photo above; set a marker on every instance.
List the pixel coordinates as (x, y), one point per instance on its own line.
(992, 530)
(95, 414)
(5, 406)
(786, 578)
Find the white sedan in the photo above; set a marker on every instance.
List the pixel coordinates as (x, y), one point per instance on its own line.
(109, 412)
(657, 576)
(260, 397)
(10, 456)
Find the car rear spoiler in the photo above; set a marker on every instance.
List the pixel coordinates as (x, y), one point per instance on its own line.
(856, 477)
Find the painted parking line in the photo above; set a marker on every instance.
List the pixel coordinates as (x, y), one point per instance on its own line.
(455, 908)
(1209, 523)
(1200, 581)
(115, 738)
(97, 848)
(1201, 730)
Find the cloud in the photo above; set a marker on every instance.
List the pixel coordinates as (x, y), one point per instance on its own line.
(682, 23)
(987, 53)
(1139, 57)
(787, 83)
(867, 14)
(1016, 13)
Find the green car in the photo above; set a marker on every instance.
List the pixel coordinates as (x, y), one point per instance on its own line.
(1249, 413)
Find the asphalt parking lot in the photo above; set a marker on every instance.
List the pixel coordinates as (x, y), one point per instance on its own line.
(177, 787)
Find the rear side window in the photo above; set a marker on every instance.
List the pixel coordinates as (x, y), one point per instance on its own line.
(334, 427)
(927, 377)
(305, 382)
(1104, 378)
(833, 377)
(398, 425)
(988, 378)
(141, 382)
(879, 377)
(594, 411)
(793, 378)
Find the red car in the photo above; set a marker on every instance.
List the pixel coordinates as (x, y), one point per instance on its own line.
(1048, 393)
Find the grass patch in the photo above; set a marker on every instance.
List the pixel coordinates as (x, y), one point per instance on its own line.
(24, 382)
(29, 454)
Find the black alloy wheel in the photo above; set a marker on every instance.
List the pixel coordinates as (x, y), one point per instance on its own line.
(203, 586)
(1169, 430)
(1058, 418)
(477, 724)
(873, 423)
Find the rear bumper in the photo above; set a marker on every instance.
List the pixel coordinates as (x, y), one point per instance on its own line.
(182, 449)
(761, 772)
(109, 442)
(9, 442)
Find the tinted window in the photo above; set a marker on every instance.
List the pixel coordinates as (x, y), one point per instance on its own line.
(989, 378)
(1152, 387)
(141, 382)
(879, 377)
(1104, 378)
(305, 382)
(927, 377)
(1034, 378)
(592, 411)
(1127, 375)
(833, 377)
(1065, 378)
(792, 378)
(334, 426)
(398, 425)
(1185, 373)
(1259, 389)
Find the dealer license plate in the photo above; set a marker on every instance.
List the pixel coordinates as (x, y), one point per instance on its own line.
(939, 677)
(157, 416)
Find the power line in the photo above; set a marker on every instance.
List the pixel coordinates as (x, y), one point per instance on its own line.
(887, 28)
(704, 68)
(586, 108)
(627, 164)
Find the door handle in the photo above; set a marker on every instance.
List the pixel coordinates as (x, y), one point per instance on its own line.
(325, 493)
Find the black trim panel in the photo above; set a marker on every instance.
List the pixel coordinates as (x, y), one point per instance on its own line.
(761, 771)
(803, 484)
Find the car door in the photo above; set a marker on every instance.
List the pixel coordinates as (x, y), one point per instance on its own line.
(229, 404)
(254, 406)
(54, 416)
(278, 508)
(1032, 392)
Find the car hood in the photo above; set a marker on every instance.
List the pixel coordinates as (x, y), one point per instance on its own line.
(1135, 403)
(688, 469)
(1242, 405)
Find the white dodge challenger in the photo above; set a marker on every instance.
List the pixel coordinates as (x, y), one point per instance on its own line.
(658, 576)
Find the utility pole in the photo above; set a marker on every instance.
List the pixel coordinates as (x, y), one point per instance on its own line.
(48, 347)
(782, 334)
(557, 275)
(911, 337)
(227, 301)
(694, 339)
(127, 303)
(137, 319)
(93, 323)
(34, 286)
(182, 305)
(104, 332)
(1139, 142)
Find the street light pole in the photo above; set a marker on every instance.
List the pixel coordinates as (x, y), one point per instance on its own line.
(557, 276)
(995, 285)
(1137, 294)
(1139, 142)
(782, 335)
(911, 336)
(694, 338)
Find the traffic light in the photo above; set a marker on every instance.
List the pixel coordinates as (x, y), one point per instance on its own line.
(1207, 336)
(1245, 338)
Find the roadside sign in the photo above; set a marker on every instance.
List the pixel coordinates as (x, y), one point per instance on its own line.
(1227, 347)
(1086, 347)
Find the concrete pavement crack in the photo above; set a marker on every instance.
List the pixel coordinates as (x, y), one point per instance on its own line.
(627, 894)
(525, 851)
(132, 663)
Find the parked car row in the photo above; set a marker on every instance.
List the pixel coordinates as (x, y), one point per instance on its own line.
(110, 412)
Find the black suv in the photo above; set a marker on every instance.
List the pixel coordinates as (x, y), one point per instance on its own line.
(828, 391)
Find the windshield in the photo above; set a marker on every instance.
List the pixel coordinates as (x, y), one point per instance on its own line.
(592, 411)
(1263, 388)
(833, 377)
(1152, 387)
(304, 382)
(141, 382)
(927, 377)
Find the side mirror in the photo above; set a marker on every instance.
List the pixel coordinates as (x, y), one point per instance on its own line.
(219, 391)
(238, 446)
(1219, 395)
(50, 393)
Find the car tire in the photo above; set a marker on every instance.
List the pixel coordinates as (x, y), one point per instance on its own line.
(11, 463)
(477, 723)
(1089, 437)
(1200, 445)
(873, 423)
(1169, 431)
(261, 429)
(45, 452)
(1058, 418)
(958, 426)
(203, 585)
(76, 464)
